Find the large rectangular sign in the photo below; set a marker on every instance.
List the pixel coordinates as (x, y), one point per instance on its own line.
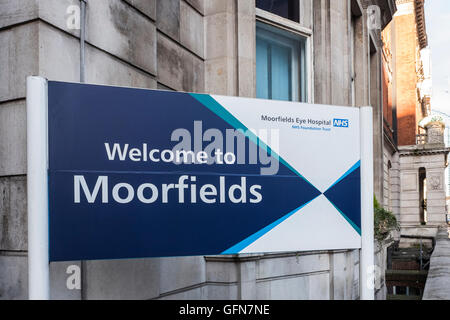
(145, 173)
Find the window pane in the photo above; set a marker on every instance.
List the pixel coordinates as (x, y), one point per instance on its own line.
(280, 64)
(302, 73)
(281, 73)
(288, 9)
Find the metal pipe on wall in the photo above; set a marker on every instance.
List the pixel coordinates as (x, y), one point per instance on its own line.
(82, 80)
(82, 40)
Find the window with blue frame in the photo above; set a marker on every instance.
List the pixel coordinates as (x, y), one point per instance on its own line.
(280, 64)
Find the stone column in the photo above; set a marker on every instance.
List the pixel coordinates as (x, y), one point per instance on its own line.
(230, 48)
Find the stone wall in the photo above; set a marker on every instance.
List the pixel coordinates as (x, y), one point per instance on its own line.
(185, 45)
(310, 275)
(128, 43)
(391, 182)
(433, 160)
(322, 275)
(437, 286)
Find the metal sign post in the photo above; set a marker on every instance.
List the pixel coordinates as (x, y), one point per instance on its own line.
(366, 279)
(37, 189)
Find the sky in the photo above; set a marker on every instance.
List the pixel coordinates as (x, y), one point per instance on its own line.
(437, 15)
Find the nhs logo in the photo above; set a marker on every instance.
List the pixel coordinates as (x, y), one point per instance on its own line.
(340, 123)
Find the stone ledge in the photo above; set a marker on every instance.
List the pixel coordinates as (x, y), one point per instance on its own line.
(426, 149)
(437, 286)
(253, 257)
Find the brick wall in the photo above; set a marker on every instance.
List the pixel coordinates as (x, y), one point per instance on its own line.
(406, 46)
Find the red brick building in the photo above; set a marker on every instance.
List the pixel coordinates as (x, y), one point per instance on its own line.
(404, 39)
(414, 163)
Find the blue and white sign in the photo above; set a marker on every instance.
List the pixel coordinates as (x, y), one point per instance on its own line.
(144, 173)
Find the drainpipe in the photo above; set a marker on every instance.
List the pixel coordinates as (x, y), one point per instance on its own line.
(82, 80)
(82, 39)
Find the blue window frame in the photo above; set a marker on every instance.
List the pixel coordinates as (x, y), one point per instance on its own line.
(280, 64)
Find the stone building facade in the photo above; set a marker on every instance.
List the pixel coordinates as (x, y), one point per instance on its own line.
(414, 161)
(197, 46)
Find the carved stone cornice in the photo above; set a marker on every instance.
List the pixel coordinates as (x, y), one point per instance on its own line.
(423, 150)
(420, 21)
(417, 8)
